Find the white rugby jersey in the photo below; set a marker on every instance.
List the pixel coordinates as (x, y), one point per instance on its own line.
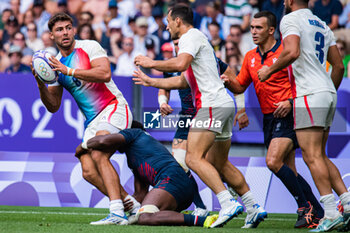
(309, 70)
(203, 74)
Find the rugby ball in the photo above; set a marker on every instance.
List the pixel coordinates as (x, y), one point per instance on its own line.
(42, 67)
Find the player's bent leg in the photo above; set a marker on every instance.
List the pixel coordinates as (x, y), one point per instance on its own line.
(278, 149)
(90, 173)
(198, 144)
(166, 205)
(310, 140)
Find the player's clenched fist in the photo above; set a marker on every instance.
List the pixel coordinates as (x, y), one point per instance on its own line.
(143, 61)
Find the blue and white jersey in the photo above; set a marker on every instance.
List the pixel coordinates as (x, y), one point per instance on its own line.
(309, 70)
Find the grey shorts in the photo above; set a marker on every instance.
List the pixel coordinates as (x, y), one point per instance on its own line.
(315, 110)
(216, 119)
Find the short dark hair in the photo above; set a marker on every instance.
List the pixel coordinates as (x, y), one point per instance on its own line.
(271, 18)
(183, 12)
(59, 17)
(303, 2)
(215, 24)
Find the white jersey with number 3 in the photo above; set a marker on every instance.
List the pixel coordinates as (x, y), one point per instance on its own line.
(203, 74)
(309, 70)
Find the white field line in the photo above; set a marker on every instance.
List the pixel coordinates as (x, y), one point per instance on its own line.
(103, 214)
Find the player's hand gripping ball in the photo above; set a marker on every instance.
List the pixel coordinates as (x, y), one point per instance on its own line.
(42, 67)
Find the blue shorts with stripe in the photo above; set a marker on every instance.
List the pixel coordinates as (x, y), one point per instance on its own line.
(179, 185)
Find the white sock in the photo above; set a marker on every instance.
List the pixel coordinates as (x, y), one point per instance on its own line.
(330, 207)
(116, 207)
(248, 200)
(345, 201)
(224, 198)
(136, 204)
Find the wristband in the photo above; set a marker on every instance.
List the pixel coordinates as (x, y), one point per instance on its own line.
(73, 71)
(162, 99)
(68, 71)
(240, 115)
(240, 101)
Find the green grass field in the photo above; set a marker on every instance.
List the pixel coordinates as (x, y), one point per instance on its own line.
(71, 220)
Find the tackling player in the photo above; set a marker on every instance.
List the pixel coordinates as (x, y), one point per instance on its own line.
(85, 72)
(153, 165)
(308, 44)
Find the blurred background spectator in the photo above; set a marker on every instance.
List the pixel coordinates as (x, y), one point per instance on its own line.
(226, 24)
(344, 18)
(11, 27)
(216, 41)
(125, 62)
(32, 41)
(85, 32)
(213, 14)
(238, 12)
(346, 58)
(16, 66)
(41, 16)
(276, 7)
(328, 11)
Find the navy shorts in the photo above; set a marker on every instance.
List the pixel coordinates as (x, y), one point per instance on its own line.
(182, 132)
(279, 128)
(179, 185)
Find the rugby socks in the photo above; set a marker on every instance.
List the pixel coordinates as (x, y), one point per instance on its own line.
(330, 208)
(192, 220)
(197, 200)
(224, 198)
(116, 207)
(248, 201)
(345, 201)
(309, 195)
(288, 178)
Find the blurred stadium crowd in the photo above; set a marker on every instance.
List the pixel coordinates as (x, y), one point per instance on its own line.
(127, 28)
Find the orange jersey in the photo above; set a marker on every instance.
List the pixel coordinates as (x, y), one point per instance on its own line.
(275, 89)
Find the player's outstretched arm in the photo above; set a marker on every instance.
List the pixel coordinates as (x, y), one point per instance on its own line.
(99, 72)
(335, 60)
(177, 82)
(50, 96)
(163, 98)
(108, 143)
(291, 51)
(176, 64)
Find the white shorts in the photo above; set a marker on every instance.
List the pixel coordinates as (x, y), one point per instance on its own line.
(314, 110)
(216, 119)
(113, 118)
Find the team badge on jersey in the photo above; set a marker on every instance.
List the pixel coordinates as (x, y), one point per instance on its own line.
(253, 62)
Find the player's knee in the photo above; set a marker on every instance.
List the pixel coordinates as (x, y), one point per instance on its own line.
(146, 215)
(273, 164)
(97, 156)
(180, 157)
(89, 175)
(311, 156)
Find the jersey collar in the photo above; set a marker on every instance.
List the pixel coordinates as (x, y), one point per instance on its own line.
(273, 49)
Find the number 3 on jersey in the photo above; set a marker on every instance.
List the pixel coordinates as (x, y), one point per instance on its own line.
(319, 37)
